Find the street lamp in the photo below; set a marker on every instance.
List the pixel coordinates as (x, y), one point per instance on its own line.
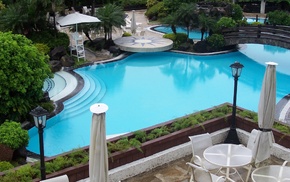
(39, 115)
(232, 135)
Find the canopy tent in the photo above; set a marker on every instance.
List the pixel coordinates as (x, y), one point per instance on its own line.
(266, 114)
(77, 18)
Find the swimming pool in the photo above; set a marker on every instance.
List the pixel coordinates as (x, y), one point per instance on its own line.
(196, 34)
(193, 34)
(145, 89)
(251, 20)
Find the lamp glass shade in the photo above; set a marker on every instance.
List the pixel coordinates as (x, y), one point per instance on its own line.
(39, 115)
(236, 69)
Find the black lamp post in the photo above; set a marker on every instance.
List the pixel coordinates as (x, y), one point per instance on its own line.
(232, 135)
(39, 115)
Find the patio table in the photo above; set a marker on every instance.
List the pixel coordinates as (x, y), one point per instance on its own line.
(271, 173)
(229, 156)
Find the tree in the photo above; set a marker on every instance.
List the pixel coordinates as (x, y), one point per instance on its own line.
(205, 23)
(24, 16)
(187, 15)
(23, 70)
(170, 20)
(111, 16)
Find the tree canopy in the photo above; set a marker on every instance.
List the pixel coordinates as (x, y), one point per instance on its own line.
(23, 70)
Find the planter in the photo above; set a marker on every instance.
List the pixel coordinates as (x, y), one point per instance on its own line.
(151, 147)
(6, 153)
(248, 125)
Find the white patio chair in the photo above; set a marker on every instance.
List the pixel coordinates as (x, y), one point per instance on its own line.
(199, 143)
(62, 178)
(250, 145)
(200, 174)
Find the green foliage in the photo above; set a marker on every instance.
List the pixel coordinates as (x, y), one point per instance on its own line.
(256, 23)
(111, 16)
(172, 5)
(79, 156)
(133, 3)
(48, 38)
(2, 6)
(225, 22)
(12, 135)
(140, 135)
(120, 145)
(135, 143)
(23, 70)
(215, 42)
(161, 131)
(281, 127)
(24, 173)
(177, 38)
(242, 22)
(278, 17)
(4, 166)
(49, 106)
(187, 15)
(42, 48)
(155, 10)
(248, 114)
(237, 12)
(151, 3)
(24, 16)
(126, 34)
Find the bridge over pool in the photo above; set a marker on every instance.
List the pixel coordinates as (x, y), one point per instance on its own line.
(276, 35)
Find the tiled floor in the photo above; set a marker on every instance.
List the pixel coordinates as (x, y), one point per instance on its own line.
(177, 171)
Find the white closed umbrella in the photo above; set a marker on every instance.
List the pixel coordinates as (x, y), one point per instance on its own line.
(77, 18)
(133, 23)
(266, 114)
(98, 158)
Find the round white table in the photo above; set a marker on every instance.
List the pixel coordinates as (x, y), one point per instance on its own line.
(271, 173)
(228, 156)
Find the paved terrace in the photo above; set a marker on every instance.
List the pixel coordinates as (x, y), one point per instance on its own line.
(170, 165)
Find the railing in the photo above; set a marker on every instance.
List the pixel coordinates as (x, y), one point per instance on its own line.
(267, 34)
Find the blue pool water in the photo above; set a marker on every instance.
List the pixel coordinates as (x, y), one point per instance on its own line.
(193, 34)
(196, 34)
(251, 20)
(145, 89)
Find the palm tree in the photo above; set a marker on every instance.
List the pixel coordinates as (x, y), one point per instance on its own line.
(111, 16)
(205, 24)
(170, 20)
(187, 15)
(24, 16)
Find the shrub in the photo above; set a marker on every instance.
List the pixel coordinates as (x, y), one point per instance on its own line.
(177, 39)
(155, 10)
(126, 34)
(237, 12)
(242, 22)
(132, 3)
(256, 23)
(4, 166)
(42, 48)
(215, 42)
(225, 22)
(151, 3)
(48, 38)
(12, 135)
(279, 18)
(24, 173)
